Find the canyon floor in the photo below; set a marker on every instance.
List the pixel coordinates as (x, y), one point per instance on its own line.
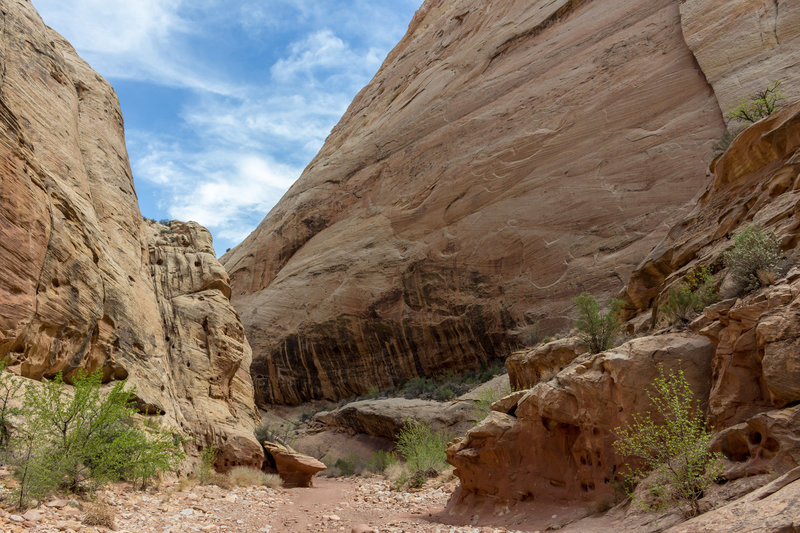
(333, 504)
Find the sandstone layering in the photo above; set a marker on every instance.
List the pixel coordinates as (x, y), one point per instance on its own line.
(503, 159)
(86, 283)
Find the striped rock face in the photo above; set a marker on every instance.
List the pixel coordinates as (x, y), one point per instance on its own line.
(85, 282)
(506, 157)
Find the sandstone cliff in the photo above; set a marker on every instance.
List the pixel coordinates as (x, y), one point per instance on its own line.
(85, 282)
(504, 158)
(554, 440)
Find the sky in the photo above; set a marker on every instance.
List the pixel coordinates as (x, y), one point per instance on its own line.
(226, 101)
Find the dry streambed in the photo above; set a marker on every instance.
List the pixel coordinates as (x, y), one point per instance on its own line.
(343, 504)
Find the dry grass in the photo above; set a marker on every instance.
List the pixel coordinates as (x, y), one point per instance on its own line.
(99, 514)
(187, 483)
(395, 472)
(220, 480)
(244, 476)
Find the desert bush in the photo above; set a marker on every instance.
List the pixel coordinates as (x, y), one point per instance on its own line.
(530, 335)
(759, 105)
(99, 514)
(693, 295)
(483, 403)
(674, 446)
(205, 470)
(380, 460)
(753, 260)
(85, 438)
(422, 448)
(351, 465)
(597, 330)
(244, 476)
(220, 480)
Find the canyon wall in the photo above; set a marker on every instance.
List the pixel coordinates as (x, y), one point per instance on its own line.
(504, 158)
(85, 282)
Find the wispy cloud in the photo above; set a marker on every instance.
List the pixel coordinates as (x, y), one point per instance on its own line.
(266, 83)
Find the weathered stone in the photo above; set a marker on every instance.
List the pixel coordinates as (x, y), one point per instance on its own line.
(558, 446)
(743, 45)
(386, 417)
(86, 283)
(529, 367)
(295, 469)
(766, 443)
(503, 159)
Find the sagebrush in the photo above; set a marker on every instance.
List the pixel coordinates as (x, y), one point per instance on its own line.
(672, 444)
(753, 259)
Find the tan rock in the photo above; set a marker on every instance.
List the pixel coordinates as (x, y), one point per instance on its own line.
(528, 367)
(766, 443)
(503, 159)
(295, 469)
(743, 45)
(558, 445)
(771, 509)
(386, 417)
(86, 283)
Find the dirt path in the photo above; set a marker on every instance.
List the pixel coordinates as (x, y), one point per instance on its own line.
(331, 505)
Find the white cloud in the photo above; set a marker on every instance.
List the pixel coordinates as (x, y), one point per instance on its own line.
(234, 147)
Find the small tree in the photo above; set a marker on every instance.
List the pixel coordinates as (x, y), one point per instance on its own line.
(675, 446)
(85, 436)
(753, 260)
(759, 105)
(9, 388)
(598, 330)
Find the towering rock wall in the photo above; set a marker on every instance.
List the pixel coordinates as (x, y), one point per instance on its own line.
(84, 281)
(506, 157)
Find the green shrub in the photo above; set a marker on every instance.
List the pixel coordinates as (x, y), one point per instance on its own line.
(674, 449)
(206, 470)
(380, 460)
(694, 294)
(351, 465)
(753, 260)
(759, 105)
(597, 330)
(85, 439)
(422, 448)
(483, 403)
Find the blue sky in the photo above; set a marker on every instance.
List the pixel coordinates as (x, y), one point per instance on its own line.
(225, 102)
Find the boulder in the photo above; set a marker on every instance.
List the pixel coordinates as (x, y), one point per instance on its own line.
(295, 469)
(558, 444)
(528, 367)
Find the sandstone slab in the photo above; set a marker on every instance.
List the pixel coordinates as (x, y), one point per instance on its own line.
(528, 367)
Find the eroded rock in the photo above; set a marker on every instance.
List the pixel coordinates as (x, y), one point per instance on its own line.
(86, 283)
(503, 159)
(295, 469)
(528, 367)
(559, 443)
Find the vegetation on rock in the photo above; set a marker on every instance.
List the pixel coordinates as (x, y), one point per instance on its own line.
(759, 105)
(672, 447)
(597, 330)
(753, 260)
(692, 295)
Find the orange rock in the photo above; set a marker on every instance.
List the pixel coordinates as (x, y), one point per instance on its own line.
(295, 469)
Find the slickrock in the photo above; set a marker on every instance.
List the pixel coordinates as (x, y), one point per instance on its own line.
(504, 158)
(557, 446)
(85, 282)
(744, 45)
